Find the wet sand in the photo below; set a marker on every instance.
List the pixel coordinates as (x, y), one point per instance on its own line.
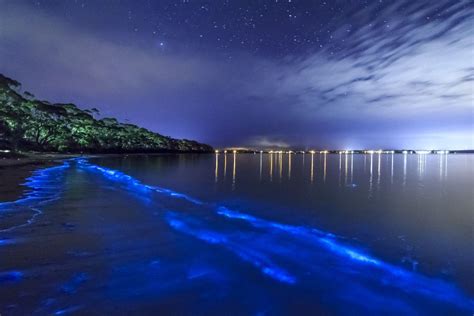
(14, 171)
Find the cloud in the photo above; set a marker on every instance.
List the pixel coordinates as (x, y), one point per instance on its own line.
(265, 142)
(402, 70)
(60, 47)
(399, 70)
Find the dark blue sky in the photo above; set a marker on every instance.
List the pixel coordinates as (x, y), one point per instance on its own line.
(338, 74)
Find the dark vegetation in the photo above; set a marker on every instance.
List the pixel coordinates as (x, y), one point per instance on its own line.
(27, 124)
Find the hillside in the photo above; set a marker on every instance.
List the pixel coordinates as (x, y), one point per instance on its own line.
(29, 124)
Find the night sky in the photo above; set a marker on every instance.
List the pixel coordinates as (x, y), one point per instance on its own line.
(316, 74)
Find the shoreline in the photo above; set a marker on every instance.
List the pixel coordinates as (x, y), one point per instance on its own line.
(14, 170)
(32, 159)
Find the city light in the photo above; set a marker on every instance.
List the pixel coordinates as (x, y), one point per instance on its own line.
(326, 151)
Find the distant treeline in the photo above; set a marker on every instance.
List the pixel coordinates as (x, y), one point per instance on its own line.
(30, 124)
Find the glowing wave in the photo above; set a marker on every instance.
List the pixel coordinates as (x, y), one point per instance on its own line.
(245, 253)
(380, 272)
(286, 253)
(43, 186)
(128, 180)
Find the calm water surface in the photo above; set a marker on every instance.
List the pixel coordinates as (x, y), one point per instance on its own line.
(242, 234)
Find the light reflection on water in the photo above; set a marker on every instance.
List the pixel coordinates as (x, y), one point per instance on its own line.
(345, 161)
(324, 172)
(234, 169)
(346, 169)
(406, 195)
(405, 210)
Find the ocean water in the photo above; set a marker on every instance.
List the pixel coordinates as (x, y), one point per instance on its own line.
(240, 234)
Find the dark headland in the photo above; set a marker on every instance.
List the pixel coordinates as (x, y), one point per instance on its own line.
(36, 133)
(28, 124)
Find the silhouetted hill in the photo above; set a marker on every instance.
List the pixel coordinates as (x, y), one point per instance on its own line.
(30, 124)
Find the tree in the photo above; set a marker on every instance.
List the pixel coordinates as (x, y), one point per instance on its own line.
(26, 123)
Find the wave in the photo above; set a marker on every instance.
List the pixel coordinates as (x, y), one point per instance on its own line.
(43, 186)
(293, 254)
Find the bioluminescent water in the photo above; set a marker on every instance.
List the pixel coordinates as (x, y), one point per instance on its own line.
(242, 234)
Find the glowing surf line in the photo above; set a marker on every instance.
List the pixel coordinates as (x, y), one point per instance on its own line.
(256, 259)
(129, 180)
(245, 254)
(222, 210)
(11, 276)
(42, 188)
(6, 242)
(308, 233)
(400, 278)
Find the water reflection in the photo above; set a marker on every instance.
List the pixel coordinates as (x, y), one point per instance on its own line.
(217, 167)
(325, 165)
(441, 160)
(375, 176)
(280, 164)
(340, 167)
(391, 169)
(371, 177)
(379, 169)
(233, 170)
(405, 157)
(289, 166)
(421, 165)
(271, 166)
(352, 168)
(345, 169)
(225, 165)
(445, 166)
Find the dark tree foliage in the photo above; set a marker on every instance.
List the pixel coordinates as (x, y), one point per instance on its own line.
(30, 124)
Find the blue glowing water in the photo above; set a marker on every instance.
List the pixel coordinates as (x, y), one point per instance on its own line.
(93, 238)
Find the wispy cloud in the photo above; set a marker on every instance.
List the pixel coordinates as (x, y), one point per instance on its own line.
(396, 69)
(389, 72)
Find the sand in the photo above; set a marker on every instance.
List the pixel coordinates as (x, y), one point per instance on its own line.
(14, 171)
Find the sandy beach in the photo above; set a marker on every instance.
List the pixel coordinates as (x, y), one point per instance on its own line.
(14, 171)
